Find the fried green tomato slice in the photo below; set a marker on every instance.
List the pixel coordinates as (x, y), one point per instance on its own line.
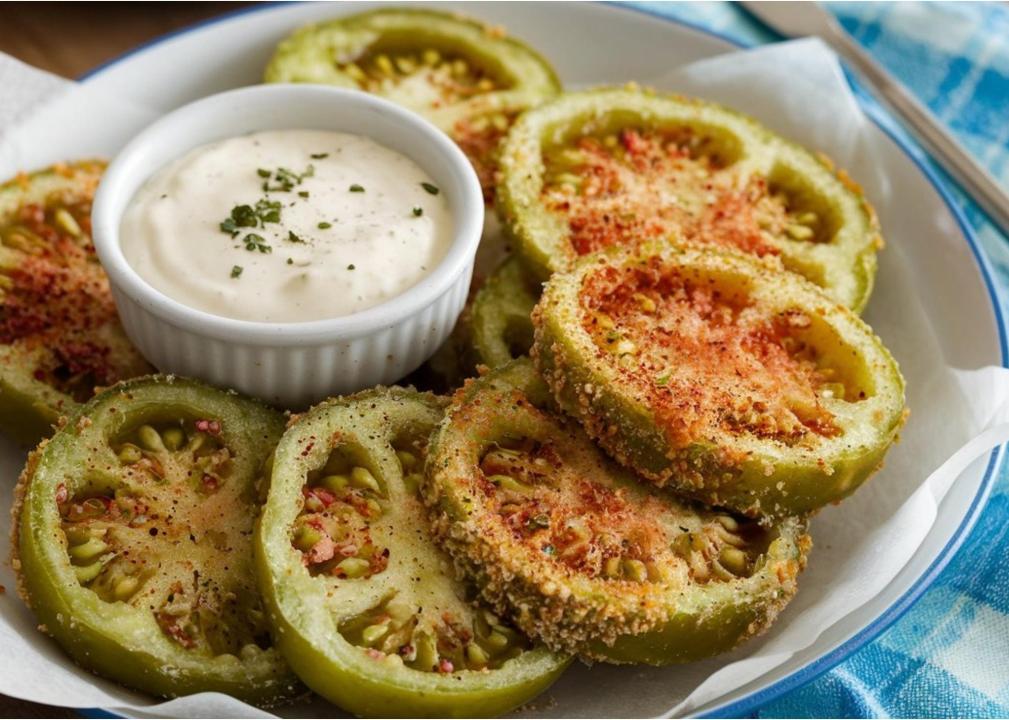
(59, 332)
(133, 540)
(614, 166)
(451, 363)
(736, 384)
(495, 328)
(365, 605)
(501, 323)
(581, 555)
(468, 78)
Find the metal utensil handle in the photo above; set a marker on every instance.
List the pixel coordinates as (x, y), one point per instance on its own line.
(953, 157)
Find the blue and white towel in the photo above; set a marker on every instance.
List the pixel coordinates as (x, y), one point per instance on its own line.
(949, 655)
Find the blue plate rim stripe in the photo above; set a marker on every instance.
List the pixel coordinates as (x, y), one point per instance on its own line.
(749, 703)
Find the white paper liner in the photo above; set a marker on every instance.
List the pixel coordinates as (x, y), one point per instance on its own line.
(958, 416)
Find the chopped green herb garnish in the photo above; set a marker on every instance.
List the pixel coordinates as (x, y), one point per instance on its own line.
(351, 266)
(263, 173)
(433, 189)
(319, 156)
(356, 188)
(284, 180)
(292, 237)
(303, 193)
(256, 242)
(249, 216)
(267, 211)
(286, 176)
(241, 216)
(661, 380)
(290, 261)
(236, 271)
(325, 226)
(418, 211)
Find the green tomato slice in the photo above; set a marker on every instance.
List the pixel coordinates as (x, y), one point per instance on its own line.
(468, 78)
(365, 604)
(613, 166)
(706, 370)
(500, 320)
(581, 555)
(59, 332)
(133, 540)
(453, 362)
(494, 328)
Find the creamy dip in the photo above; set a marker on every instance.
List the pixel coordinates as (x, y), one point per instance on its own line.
(287, 226)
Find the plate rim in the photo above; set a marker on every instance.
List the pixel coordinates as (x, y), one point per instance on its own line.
(809, 672)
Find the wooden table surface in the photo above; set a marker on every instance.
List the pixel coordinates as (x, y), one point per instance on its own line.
(69, 39)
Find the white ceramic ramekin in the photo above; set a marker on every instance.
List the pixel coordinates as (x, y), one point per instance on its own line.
(292, 364)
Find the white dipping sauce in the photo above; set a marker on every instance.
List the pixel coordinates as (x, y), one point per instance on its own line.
(358, 224)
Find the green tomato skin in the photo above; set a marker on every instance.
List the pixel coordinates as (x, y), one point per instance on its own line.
(495, 327)
(500, 319)
(688, 637)
(845, 266)
(125, 650)
(452, 362)
(684, 639)
(307, 56)
(29, 408)
(327, 663)
(369, 694)
(685, 625)
(698, 470)
(797, 483)
(129, 660)
(30, 414)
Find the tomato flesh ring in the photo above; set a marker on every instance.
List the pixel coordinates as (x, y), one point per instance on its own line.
(578, 552)
(133, 540)
(618, 165)
(730, 382)
(494, 328)
(365, 605)
(469, 79)
(60, 336)
(501, 325)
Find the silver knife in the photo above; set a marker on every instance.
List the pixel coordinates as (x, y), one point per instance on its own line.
(796, 19)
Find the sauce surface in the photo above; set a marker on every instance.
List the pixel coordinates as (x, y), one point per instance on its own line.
(287, 226)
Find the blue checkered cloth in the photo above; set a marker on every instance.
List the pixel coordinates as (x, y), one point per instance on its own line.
(949, 655)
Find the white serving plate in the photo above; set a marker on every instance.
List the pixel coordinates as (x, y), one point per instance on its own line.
(593, 44)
